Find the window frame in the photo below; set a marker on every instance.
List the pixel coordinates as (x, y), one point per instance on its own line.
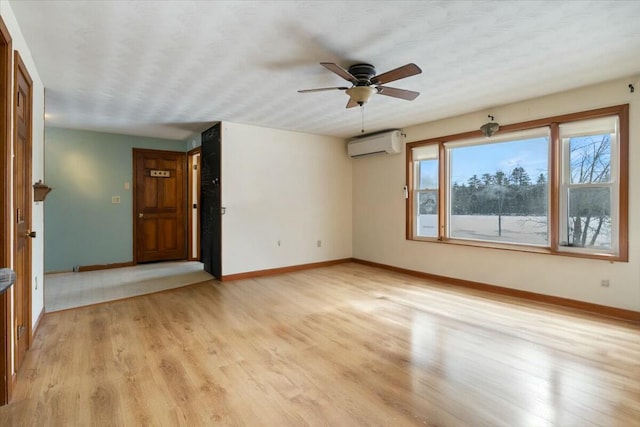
(566, 185)
(515, 136)
(554, 179)
(417, 173)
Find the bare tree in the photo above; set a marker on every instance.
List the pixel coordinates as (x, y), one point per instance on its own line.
(496, 189)
(589, 207)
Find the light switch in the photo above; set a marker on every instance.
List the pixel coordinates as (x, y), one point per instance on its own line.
(115, 200)
(126, 185)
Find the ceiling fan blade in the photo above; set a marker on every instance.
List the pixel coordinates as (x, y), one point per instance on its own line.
(396, 74)
(340, 71)
(320, 89)
(409, 95)
(351, 103)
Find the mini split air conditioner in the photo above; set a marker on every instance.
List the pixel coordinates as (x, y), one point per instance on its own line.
(388, 142)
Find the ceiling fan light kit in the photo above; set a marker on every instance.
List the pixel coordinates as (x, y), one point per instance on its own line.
(360, 94)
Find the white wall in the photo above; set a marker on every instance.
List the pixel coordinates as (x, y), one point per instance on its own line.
(379, 214)
(37, 273)
(283, 186)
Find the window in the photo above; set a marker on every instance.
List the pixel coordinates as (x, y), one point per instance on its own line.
(426, 190)
(498, 190)
(556, 185)
(589, 184)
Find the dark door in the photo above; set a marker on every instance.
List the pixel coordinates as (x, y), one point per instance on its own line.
(211, 223)
(22, 215)
(159, 205)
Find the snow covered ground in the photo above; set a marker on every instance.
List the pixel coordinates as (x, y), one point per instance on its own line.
(530, 230)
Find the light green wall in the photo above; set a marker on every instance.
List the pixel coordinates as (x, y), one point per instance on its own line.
(82, 226)
(193, 141)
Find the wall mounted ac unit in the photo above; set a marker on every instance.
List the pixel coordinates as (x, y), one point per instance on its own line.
(388, 142)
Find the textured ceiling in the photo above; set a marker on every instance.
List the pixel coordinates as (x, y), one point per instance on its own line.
(169, 68)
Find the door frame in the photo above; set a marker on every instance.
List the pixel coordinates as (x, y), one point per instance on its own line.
(193, 230)
(6, 379)
(20, 67)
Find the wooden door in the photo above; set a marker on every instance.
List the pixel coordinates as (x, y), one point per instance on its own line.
(159, 205)
(22, 190)
(210, 198)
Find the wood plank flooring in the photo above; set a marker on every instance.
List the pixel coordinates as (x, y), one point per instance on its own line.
(347, 345)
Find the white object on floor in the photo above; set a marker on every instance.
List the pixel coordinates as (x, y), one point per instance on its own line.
(70, 290)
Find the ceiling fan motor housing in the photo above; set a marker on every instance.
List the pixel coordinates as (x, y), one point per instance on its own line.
(362, 72)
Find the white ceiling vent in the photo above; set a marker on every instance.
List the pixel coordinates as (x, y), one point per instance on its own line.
(388, 142)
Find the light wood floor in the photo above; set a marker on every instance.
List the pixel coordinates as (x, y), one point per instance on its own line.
(347, 345)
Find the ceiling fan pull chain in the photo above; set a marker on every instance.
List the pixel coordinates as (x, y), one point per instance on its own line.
(362, 113)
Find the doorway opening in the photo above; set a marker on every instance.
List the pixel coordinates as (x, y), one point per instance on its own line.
(193, 204)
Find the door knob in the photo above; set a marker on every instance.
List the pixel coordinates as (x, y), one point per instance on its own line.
(31, 234)
(140, 215)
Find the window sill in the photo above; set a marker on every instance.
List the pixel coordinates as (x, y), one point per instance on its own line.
(524, 248)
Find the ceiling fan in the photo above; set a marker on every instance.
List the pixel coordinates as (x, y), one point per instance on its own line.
(365, 82)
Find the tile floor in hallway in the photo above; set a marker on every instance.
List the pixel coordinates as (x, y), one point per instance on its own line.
(69, 290)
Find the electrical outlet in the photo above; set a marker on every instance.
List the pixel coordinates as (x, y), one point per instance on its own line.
(604, 283)
(115, 200)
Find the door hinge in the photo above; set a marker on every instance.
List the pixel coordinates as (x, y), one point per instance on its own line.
(20, 331)
(195, 167)
(195, 206)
